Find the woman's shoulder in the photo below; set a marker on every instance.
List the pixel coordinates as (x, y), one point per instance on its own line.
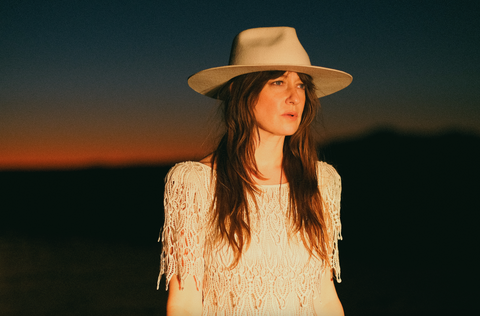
(326, 172)
(189, 172)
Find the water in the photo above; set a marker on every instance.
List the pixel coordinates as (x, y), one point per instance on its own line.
(78, 277)
(41, 276)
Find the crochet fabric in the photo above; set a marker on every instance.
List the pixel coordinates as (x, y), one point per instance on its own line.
(275, 275)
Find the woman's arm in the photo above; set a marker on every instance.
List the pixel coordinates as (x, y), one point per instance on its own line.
(328, 303)
(330, 184)
(183, 239)
(184, 302)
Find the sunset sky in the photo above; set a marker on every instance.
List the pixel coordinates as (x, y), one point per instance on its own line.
(105, 82)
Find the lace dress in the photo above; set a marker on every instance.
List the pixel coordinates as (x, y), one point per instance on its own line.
(275, 275)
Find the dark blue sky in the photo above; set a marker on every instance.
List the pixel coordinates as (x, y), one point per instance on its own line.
(105, 81)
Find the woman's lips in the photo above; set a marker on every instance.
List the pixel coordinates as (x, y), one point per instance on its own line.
(290, 115)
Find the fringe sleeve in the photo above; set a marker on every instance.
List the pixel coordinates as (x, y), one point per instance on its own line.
(331, 189)
(183, 235)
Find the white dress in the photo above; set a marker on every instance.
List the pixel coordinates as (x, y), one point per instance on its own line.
(275, 275)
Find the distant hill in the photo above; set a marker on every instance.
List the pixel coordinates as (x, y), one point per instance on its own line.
(116, 204)
(384, 171)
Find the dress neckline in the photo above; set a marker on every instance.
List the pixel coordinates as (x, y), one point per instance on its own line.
(265, 186)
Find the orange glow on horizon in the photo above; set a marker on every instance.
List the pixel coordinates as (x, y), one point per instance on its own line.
(70, 144)
(84, 158)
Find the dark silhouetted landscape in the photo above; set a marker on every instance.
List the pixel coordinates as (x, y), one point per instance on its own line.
(84, 242)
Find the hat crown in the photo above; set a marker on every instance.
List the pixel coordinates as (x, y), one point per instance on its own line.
(268, 49)
(268, 46)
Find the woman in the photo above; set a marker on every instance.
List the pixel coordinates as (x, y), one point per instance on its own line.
(253, 228)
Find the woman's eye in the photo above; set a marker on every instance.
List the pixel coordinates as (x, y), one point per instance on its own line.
(301, 86)
(277, 83)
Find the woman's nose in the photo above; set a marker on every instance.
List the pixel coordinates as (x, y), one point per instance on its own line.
(293, 95)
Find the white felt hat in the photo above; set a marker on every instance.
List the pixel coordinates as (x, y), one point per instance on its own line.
(265, 49)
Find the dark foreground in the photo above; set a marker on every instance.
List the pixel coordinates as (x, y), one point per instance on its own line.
(83, 242)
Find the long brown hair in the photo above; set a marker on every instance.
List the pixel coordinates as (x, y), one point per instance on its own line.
(234, 161)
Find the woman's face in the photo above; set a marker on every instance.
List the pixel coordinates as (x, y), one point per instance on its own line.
(280, 105)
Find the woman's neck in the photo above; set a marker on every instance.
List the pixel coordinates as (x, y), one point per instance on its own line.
(269, 158)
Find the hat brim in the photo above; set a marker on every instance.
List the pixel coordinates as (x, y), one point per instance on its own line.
(209, 81)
